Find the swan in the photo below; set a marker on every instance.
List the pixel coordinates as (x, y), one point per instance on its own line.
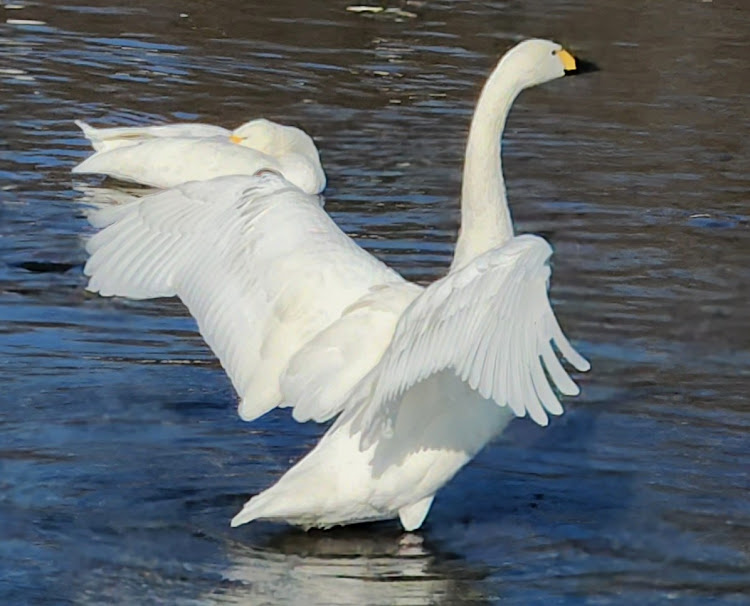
(167, 156)
(421, 378)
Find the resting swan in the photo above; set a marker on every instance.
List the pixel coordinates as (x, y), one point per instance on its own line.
(300, 316)
(167, 156)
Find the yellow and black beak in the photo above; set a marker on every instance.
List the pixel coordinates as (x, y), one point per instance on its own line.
(573, 65)
(236, 139)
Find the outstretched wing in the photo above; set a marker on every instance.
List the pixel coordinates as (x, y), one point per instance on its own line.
(257, 262)
(492, 324)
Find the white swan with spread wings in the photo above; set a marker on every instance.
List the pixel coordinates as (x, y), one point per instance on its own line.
(300, 316)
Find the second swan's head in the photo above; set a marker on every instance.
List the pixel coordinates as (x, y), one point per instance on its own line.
(537, 61)
(274, 139)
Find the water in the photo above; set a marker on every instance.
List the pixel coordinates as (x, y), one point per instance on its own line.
(122, 459)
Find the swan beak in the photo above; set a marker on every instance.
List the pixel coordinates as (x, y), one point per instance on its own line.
(573, 66)
(236, 139)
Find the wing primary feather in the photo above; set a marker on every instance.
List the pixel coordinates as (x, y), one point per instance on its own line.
(525, 386)
(556, 371)
(469, 349)
(566, 349)
(479, 357)
(542, 389)
(490, 355)
(516, 403)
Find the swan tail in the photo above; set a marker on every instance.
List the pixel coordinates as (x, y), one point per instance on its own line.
(107, 139)
(91, 133)
(260, 506)
(325, 488)
(282, 501)
(99, 162)
(98, 142)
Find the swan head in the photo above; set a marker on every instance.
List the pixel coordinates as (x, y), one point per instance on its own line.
(274, 139)
(537, 61)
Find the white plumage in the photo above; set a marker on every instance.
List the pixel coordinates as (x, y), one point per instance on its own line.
(300, 316)
(258, 263)
(467, 322)
(167, 156)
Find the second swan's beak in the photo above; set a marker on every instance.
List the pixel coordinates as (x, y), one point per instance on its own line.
(235, 139)
(573, 66)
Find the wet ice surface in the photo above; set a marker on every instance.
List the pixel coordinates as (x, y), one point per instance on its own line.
(122, 458)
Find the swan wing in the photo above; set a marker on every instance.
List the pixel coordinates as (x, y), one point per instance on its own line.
(321, 374)
(105, 139)
(492, 324)
(256, 261)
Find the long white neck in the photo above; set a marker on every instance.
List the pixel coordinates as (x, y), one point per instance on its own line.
(485, 217)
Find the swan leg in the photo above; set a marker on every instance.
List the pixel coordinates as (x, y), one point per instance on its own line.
(413, 515)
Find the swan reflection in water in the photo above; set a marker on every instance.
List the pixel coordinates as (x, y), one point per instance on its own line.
(364, 564)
